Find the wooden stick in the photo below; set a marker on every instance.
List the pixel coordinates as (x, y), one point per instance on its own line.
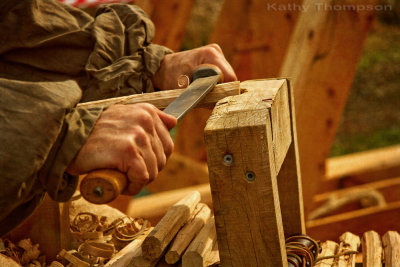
(166, 229)
(162, 99)
(125, 255)
(73, 259)
(391, 245)
(201, 246)
(329, 248)
(372, 249)
(200, 216)
(155, 206)
(348, 242)
(212, 258)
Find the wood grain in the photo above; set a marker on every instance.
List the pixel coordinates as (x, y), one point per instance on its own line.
(200, 216)
(162, 99)
(201, 246)
(153, 207)
(372, 249)
(391, 246)
(329, 248)
(162, 234)
(247, 211)
(348, 242)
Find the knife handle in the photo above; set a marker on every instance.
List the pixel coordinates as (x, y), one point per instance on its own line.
(104, 185)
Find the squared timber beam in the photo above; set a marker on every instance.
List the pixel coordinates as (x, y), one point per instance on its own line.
(251, 142)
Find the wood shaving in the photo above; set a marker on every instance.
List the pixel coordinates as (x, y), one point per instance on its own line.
(99, 240)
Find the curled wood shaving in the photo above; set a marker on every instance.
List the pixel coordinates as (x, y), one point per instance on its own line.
(96, 249)
(100, 240)
(31, 252)
(25, 253)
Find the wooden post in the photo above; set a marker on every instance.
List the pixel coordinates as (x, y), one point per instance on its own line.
(321, 59)
(247, 139)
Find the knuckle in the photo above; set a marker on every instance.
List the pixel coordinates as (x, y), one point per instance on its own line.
(169, 147)
(140, 135)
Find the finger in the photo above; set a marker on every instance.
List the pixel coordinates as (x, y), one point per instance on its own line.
(138, 176)
(168, 120)
(165, 138)
(150, 159)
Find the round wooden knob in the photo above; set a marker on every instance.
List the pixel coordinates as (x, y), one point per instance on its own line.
(103, 186)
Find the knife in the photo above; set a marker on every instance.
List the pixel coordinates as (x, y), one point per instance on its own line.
(104, 185)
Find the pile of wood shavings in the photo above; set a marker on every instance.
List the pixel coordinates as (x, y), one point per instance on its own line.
(24, 252)
(97, 241)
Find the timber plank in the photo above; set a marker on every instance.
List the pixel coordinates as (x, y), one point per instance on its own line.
(363, 162)
(162, 99)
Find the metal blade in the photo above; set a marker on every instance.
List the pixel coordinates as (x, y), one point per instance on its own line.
(191, 96)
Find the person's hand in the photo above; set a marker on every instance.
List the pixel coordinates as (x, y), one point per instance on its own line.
(131, 138)
(173, 66)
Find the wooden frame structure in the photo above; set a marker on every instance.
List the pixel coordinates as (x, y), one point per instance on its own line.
(252, 153)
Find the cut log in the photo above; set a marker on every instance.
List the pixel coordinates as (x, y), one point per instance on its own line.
(348, 242)
(329, 248)
(182, 240)
(391, 246)
(159, 238)
(154, 207)
(201, 246)
(371, 249)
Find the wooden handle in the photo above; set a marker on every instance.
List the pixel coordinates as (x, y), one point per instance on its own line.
(103, 186)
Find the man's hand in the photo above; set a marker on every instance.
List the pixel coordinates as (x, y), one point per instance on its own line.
(185, 63)
(131, 138)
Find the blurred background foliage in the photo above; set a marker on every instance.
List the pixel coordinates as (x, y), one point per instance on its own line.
(371, 118)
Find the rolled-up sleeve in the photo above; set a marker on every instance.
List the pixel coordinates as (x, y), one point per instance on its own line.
(52, 57)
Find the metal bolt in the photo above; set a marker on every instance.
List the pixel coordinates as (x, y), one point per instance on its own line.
(98, 191)
(250, 176)
(228, 159)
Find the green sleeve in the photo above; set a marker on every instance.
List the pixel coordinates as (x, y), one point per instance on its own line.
(52, 57)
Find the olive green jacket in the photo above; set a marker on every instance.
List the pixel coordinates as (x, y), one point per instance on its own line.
(53, 56)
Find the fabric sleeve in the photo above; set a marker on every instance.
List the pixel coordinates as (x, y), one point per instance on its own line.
(52, 57)
(123, 58)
